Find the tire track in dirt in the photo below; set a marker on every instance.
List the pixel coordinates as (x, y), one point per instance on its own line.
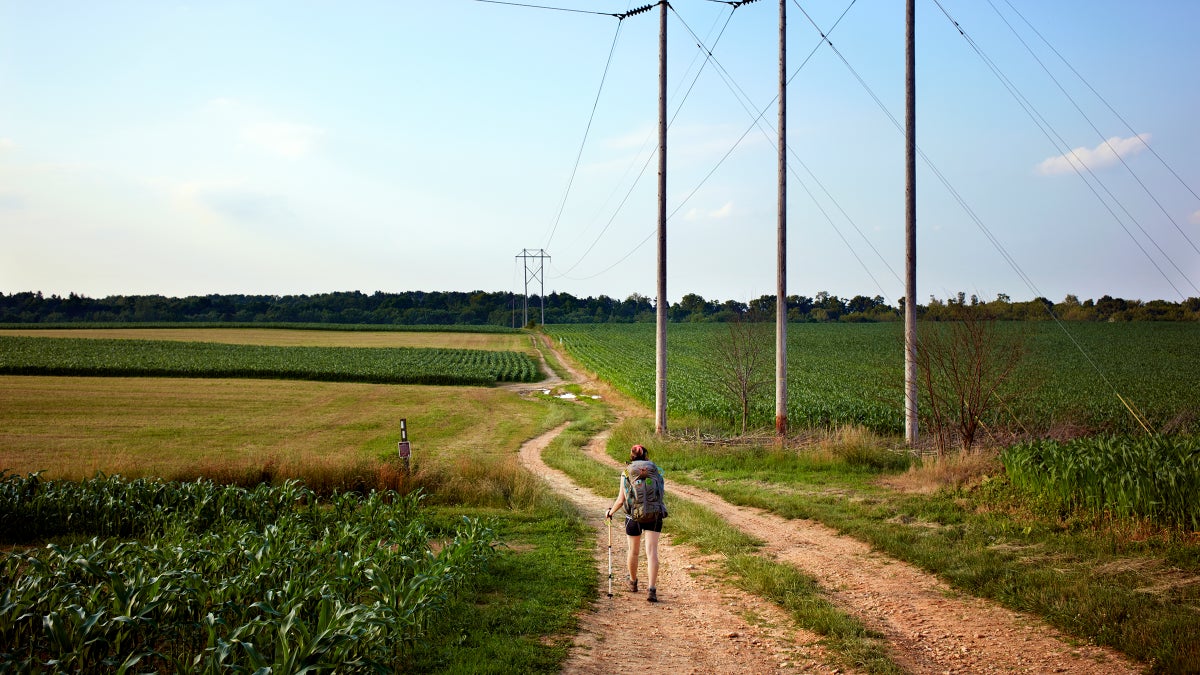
(699, 626)
(930, 627)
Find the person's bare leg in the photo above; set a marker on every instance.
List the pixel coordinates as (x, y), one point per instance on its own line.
(631, 558)
(652, 558)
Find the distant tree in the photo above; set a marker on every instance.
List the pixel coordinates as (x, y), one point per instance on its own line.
(744, 361)
(965, 367)
(763, 307)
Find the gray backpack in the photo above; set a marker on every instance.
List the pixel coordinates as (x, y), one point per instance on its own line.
(644, 489)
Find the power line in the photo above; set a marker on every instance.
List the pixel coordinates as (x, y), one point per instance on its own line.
(756, 121)
(1105, 102)
(980, 224)
(1106, 142)
(583, 143)
(1048, 130)
(633, 185)
(555, 9)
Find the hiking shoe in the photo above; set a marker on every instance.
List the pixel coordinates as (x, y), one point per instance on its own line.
(653, 597)
(633, 585)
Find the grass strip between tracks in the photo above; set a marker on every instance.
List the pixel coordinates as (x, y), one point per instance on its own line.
(852, 643)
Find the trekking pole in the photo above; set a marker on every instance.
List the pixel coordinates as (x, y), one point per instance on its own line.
(609, 556)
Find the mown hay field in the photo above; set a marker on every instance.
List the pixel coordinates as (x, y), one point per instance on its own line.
(72, 427)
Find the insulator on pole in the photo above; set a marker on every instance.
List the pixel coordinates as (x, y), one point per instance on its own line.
(635, 12)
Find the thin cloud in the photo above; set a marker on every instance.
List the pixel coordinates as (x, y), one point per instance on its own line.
(285, 139)
(234, 203)
(718, 214)
(1104, 155)
(722, 212)
(11, 201)
(6, 144)
(264, 129)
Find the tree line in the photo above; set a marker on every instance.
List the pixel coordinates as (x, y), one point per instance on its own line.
(509, 309)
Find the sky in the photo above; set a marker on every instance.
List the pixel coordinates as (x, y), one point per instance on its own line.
(270, 147)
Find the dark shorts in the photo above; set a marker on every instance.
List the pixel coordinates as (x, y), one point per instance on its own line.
(634, 529)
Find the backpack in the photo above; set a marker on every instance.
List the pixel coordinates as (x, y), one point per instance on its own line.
(644, 489)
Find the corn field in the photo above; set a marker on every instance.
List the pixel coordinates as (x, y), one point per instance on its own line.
(841, 374)
(141, 358)
(1154, 477)
(222, 579)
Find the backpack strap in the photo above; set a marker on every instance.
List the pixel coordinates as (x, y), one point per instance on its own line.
(627, 489)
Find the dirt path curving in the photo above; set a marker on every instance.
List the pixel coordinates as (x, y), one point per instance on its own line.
(698, 626)
(930, 627)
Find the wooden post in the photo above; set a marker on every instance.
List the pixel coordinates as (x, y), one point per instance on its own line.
(403, 447)
(660, 340)
(781, 422)
(910, 231)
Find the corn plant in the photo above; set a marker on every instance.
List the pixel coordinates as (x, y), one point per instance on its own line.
(233, 579)
(1154, 477)
(396, 365)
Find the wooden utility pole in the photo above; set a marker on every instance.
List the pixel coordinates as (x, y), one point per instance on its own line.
(660, 360)
(910, 229)
(781, 240)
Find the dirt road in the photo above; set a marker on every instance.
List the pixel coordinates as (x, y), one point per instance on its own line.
(698, 626)
(701, 625)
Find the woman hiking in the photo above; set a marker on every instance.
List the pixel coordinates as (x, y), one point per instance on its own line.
(641, 493)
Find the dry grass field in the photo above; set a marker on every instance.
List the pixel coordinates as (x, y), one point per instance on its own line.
(72, 427)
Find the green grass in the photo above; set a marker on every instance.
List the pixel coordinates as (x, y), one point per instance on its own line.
(551, 357)
(1117, 582)
(168, 358)
(522, 613)
(690, 523)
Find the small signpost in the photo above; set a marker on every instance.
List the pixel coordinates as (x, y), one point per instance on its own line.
(403, 447)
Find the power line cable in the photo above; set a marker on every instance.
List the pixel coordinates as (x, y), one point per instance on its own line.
(583, 143)
(757, 119)
(992, 238)
(1105, 102)
(1064, 148)
(1116, 154)
(984, 229)
(566, 9)
(645, 166)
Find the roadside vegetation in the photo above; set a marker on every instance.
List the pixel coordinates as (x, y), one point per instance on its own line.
(1126, 581)
(197, 577)
(268, 524)
(799, 594)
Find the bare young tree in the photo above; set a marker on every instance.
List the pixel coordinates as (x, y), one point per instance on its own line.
(744, 359)
(965, 367)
